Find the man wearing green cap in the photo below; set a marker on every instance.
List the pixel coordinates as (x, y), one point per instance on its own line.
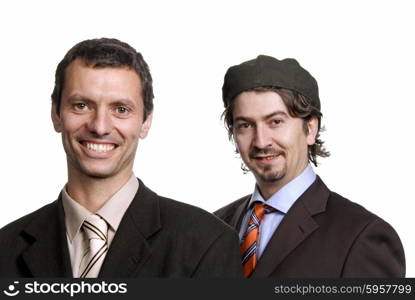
(292, 225)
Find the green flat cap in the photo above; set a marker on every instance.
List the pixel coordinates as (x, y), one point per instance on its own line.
(267, 71)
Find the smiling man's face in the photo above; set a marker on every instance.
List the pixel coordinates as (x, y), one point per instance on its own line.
(101, 120)
(273, 144)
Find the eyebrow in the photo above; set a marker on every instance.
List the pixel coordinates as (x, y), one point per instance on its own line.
(266, 117)
(78, 97)
(124, 101)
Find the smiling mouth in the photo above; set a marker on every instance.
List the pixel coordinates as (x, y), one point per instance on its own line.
(98, 147)
(269, 157)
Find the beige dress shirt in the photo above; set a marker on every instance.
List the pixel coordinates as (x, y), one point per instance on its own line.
(112, 212)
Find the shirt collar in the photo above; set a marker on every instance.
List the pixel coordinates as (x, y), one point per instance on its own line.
(112, 211)
(115, 208)
(289, 193)
(75, 214)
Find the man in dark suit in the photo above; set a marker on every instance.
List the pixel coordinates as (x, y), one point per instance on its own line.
(293, 225)
(106, 222)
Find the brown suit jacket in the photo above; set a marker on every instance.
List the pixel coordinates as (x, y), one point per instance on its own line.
(325, 235)
(157, 237)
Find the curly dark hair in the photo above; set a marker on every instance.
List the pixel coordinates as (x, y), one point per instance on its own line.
(102, 53)
(298, 106)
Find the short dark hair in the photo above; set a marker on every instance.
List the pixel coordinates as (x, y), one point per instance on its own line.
(102, 53)
(298, 106)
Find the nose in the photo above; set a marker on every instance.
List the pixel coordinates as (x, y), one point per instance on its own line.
(100, 123)
(262, 138)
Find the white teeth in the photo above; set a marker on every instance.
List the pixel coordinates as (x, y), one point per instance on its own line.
(99, 147)
(270, 157)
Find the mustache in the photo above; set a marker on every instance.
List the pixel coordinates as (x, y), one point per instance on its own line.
(265, 151)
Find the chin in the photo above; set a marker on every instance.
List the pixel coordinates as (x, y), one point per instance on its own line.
(271, 178)
(97, 172)
(100, 175)
(268, 175)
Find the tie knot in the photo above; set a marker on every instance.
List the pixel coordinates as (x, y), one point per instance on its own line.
(261, 208)
(95, 227)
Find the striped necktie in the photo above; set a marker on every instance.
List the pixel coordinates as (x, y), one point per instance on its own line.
(250, 239)
(95, 229)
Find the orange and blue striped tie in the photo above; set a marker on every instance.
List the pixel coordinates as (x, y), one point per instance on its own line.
(250, 240)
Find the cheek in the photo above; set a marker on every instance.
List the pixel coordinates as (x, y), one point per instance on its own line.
(283, 139)
(241, 143)
(299, 145)
(71, 125)
(292, 142)
(129, 130)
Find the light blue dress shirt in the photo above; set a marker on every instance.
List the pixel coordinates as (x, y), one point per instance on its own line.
(282, 202)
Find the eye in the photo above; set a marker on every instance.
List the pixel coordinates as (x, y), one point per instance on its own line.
(244, 125)
(276, 122)
(80, 106)
(122, 109)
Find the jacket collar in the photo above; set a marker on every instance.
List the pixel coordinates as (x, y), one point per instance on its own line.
(48, 254)
(130, 249)
(296, 226)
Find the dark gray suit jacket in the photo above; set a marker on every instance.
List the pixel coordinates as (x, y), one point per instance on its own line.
(325, 235)
(157, 237)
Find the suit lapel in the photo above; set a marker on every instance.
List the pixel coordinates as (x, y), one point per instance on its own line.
(237, 217)
(48, 254)
(296, 226)
(130, 249)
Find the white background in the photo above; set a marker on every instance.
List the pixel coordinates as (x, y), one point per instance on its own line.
(362, 54)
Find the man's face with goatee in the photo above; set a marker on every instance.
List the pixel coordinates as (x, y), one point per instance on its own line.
(273, 144)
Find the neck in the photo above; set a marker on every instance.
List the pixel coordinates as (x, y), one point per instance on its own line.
(268, 189)
(92, 192)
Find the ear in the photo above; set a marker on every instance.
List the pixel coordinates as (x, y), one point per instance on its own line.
(146, 126)
(56, 120)
(312, 129)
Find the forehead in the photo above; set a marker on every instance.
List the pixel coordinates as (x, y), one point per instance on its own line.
(256, 104)
(83, 79)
